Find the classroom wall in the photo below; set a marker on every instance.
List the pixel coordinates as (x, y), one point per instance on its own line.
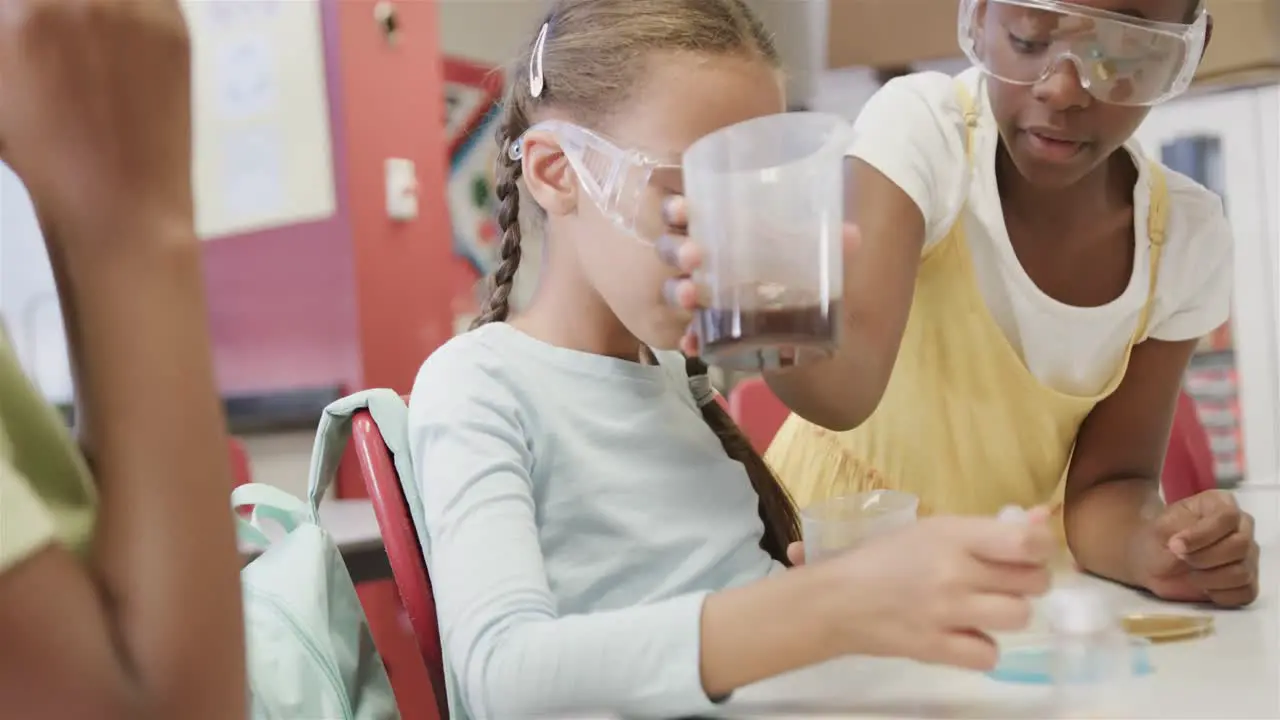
(281, 301)
(357, 300)
(844, 91)
(493, 31)
(352, 300)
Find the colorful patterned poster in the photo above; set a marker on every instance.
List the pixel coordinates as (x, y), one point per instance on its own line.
(472, 92)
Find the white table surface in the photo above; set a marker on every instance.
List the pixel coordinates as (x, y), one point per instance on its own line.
(1230, 674)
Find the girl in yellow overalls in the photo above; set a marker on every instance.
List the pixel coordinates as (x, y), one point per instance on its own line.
(1025, 296)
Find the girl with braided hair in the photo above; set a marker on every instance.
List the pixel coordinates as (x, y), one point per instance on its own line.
(600, 535)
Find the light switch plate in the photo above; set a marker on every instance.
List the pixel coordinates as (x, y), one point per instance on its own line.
(402, 189)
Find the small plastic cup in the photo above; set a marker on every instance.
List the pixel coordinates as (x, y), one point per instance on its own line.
(833, 526)
(1030, 659)
(1092, 659)
(766, 202)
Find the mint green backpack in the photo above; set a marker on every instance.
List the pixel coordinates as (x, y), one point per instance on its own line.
(310, 653)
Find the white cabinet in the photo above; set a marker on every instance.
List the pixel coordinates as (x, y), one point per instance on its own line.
(1243, 124)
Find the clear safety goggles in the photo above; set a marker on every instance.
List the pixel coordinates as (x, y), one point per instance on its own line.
(1120, 59)
(628, 186)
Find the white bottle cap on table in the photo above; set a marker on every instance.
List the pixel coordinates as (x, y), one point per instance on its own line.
(1079, 610)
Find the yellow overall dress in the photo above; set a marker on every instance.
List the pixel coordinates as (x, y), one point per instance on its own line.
(963, 423)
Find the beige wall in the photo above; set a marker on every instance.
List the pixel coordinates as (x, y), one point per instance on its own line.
(490, 31)
(493, 31)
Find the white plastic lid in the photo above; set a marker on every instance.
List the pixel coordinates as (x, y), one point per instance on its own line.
(1013, 514)
(1079, 610)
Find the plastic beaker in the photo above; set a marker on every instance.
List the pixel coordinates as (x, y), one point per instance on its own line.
(766, 202)
(1092, 657)
(1032, 659)
(832, 526)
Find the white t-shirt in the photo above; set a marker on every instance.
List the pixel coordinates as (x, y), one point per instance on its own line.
(913, 131)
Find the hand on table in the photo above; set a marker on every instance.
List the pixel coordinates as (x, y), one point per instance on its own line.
(686, 257)
(95, 110)
(932, 591)
(1201, 549)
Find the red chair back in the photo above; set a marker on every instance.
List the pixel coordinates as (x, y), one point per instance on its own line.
(758, 412)
(404, 552)
(240, 473)
(1188, 464)
(239, 463)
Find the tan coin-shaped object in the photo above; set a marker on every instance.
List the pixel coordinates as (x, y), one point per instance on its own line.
(1167, 627)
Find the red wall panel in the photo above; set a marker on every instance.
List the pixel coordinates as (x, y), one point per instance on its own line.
(393, 107)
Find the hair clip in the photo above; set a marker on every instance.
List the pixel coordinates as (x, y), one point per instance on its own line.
(515, 149)
(536, 80)
(703, 392)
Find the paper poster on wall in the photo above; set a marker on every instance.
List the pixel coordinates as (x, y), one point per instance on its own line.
(230, 13)
(263, 149)
(253, 172)
(472, 92)
(246, 79)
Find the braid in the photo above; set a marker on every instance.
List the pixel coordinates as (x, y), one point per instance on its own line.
(508, 192)
(777, 511)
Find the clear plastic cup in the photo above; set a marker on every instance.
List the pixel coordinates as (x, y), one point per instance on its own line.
(766, 202)
(1092, 661)
(1037, 658)
(833, 526)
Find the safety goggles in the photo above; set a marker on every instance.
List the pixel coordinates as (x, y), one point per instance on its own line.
(628, 186)
(1120, 59)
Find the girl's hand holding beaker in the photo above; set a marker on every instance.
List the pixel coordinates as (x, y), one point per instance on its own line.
(765, 204)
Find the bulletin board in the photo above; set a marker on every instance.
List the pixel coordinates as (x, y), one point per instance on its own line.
(472, 94)
(263, 148)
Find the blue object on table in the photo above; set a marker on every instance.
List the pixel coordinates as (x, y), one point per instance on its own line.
(1033, 665)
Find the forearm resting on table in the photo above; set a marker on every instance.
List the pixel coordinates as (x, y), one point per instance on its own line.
(1102, 523)
(164, 553)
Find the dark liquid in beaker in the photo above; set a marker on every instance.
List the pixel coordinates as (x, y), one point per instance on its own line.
(767, 338)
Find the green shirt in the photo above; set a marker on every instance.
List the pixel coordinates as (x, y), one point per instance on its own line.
(45, 492)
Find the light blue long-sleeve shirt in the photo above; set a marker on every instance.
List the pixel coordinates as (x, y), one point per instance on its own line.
(579, 511)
